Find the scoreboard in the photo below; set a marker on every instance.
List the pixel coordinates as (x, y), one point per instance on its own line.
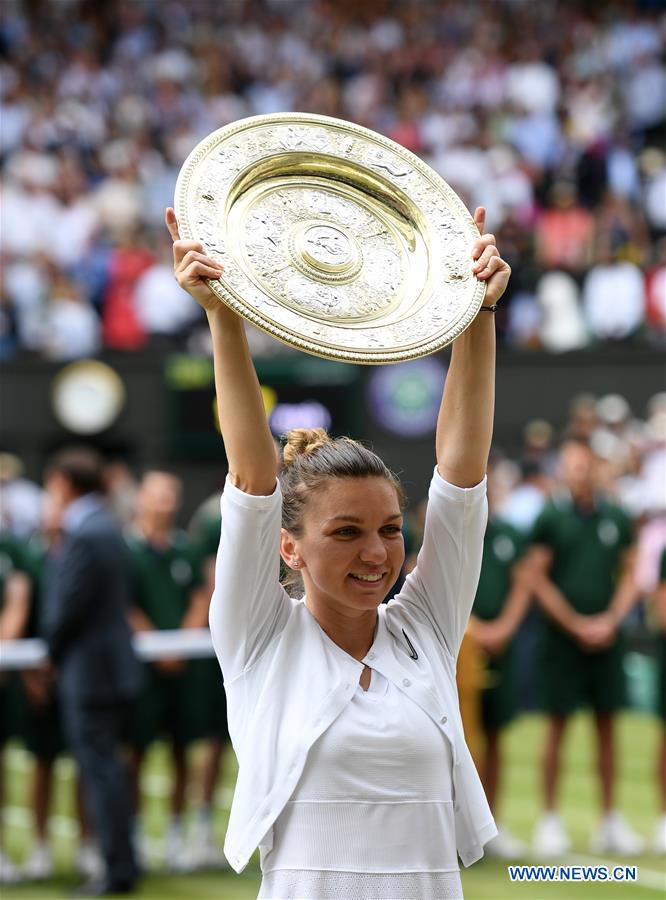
(299, 392)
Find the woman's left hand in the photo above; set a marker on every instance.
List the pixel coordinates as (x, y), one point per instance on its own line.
(488, 265)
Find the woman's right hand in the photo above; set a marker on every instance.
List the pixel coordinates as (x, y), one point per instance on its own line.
(192, 268)
(242, 416)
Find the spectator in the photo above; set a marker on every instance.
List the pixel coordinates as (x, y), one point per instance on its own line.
(613, 297)
(644, 90)
(653, 164)
(562, 326)
(71, 326)
(531, 82)
(121, 488)
(76, 221)
(653, 470)
(620, 227)
(93, 138)
(121, 322)
(565, 231)
(89, 641)
(27, 287)
(20, 499)
(162, 307)
(655, 289)
(42, 726)
(583, 417)
(522, 507)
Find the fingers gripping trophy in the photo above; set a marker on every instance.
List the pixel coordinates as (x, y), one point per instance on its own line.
(343, 710)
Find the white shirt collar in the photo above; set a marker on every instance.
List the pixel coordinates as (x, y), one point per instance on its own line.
(79, 510)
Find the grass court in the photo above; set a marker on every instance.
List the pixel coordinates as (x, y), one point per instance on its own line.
(638, 736)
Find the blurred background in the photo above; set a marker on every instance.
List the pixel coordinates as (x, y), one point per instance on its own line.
(551, 115)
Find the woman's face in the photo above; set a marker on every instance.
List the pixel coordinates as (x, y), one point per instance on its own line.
(351, 550)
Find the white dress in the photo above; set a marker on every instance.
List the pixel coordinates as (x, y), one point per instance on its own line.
(372, 814)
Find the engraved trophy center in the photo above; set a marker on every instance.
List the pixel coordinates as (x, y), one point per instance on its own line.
(327, 248)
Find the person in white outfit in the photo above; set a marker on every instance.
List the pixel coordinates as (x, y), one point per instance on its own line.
(354, 776)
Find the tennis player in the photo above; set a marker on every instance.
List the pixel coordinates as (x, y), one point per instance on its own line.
(354, 776)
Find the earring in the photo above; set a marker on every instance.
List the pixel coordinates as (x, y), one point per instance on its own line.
(296, 563)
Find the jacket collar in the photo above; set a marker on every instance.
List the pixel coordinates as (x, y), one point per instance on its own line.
(381, 645)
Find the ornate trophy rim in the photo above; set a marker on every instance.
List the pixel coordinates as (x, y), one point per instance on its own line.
(291, 333)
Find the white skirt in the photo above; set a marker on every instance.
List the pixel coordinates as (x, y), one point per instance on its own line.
(300, 884)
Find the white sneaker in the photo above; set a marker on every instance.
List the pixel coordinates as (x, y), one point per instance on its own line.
(659, 839)
(505, 846)
(205, 851)
(89, 862)
(9, 873)
(550, 837)
(39, 865)
(615, 836)
(213, 857)
(144, 850)
(177, 852)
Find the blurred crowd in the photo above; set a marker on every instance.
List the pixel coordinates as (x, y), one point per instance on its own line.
(551, 115)
(606, 456)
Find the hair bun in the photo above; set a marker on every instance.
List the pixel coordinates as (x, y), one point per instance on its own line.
(302, 442)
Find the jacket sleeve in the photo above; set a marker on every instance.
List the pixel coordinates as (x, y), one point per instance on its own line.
(249, 606)
(442, 586)
(73, 597)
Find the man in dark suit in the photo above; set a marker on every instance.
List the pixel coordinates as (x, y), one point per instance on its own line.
(89, 640)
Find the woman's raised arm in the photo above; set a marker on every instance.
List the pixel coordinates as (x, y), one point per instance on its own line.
(465, 423)
(247, 438)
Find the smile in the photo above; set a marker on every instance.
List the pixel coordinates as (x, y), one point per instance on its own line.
(377, 576)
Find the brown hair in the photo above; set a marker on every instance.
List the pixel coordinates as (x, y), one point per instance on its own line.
(310, 457)
(83, 466)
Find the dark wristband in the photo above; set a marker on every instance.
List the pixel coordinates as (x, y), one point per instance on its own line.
(489, 308)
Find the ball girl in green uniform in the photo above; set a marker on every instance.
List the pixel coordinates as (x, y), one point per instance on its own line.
(14, 606)
(502, 599)
(207, 851)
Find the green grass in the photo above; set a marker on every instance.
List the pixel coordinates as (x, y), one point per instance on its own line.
(638, 737)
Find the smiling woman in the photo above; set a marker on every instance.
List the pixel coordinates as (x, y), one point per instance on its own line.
(343, 711)
(341, 531)
(320, 484)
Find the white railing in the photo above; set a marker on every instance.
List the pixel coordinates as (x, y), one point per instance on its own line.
(186, 643)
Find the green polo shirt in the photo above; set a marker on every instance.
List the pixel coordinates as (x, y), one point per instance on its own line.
(36, 552)
(163, 579)
(661, 654)
(14, 557)
(207, 534)
(587, 548)
(502, 546)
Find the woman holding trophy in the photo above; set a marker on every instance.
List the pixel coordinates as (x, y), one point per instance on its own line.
(354, 776)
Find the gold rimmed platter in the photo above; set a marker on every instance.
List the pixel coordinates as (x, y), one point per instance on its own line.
(334, 239)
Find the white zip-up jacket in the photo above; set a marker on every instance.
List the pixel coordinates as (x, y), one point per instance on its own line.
(286, 680)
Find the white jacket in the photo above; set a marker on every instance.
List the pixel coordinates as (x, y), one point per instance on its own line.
(286, 681)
